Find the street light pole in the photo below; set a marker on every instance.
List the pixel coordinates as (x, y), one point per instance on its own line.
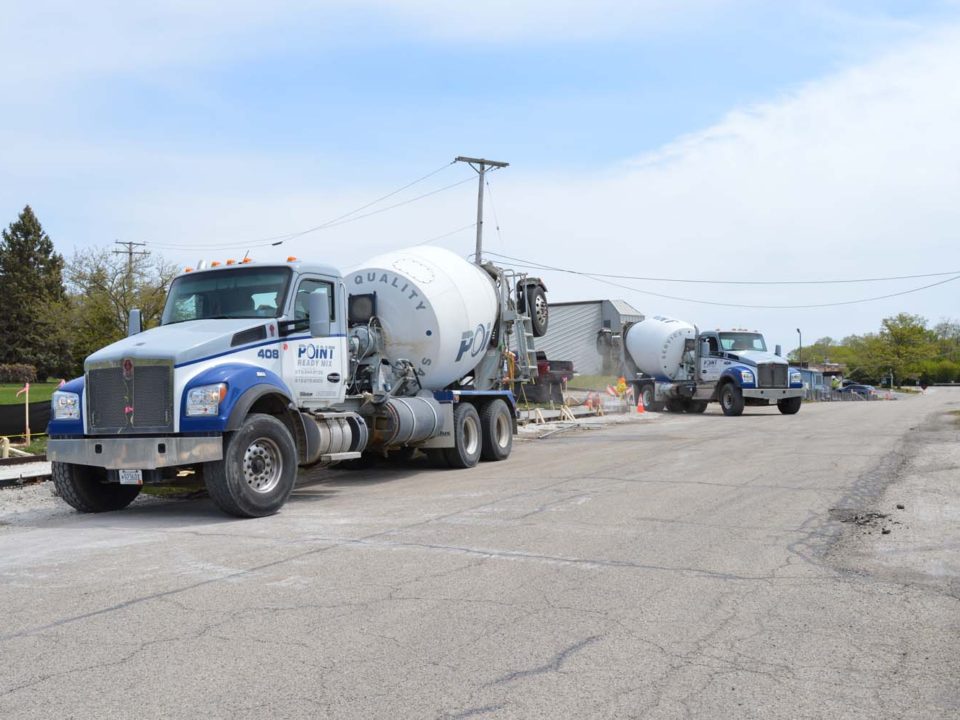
(800, 349)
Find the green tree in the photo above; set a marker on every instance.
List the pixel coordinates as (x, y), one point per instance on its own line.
(908, 344)
(104, 289)
(33, 325)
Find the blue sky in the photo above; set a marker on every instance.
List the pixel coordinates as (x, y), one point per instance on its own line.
(653, 135)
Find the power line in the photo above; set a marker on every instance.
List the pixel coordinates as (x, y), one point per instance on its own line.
(603, 280)
(493, 207)
(448, 234)
(729, 282)
(333, 222)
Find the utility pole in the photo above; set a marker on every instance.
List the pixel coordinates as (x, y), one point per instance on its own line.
(129, 252)
(480, 165)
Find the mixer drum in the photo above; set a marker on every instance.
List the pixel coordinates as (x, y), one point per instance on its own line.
(436, 309)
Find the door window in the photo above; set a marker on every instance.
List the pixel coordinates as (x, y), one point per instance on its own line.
(307, 287)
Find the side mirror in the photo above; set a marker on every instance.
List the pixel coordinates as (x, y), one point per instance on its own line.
(319, 306)
(134, 323)
(778, 350)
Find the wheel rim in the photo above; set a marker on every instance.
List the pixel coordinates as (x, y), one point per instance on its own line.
(503, 430)
(262, 465)
(726, 398)
(647, 398)
(471, 436)
(540, 307)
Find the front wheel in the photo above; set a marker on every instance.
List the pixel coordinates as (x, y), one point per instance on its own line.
(731, 400)
(258, 470)
(789, 406)
(466, 435)
(648, 399)
(497, 427)
(86, 488)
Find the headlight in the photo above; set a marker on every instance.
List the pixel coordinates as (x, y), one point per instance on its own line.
(66, 405)
(746, 376)
(796, 378)
(205, 400)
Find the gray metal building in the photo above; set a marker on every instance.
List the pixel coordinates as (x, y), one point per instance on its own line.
(588, 333)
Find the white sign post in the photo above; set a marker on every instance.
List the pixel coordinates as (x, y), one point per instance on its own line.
(26, 410)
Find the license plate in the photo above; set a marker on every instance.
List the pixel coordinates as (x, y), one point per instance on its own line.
(131, 477)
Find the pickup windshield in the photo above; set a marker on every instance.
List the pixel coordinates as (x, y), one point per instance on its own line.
(742, 341)
(230, 293)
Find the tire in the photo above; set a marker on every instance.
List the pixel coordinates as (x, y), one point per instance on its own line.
(467, 435)
(86, 488)
(789, 406)
(496, 427)
(731, 400)
(536, 304)
(258, 470)
(647, 395)
(676, 406)
(695, 407)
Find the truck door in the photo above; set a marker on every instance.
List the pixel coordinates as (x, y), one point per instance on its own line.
(710, 363)
(315, 368)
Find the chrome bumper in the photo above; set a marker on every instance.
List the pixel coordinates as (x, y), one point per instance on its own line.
(772, 394)
(135, 453)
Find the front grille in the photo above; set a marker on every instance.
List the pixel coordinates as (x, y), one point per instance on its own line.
(141, 402)
(772, 375)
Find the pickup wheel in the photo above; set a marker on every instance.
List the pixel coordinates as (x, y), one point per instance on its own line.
(467, 436)
(789, 406)
(258, 470)
(731, 400)
(497, 427)
(86, 488)
(537, 307)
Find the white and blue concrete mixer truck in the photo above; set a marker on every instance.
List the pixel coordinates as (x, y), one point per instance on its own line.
(674, 366)
(258, 369)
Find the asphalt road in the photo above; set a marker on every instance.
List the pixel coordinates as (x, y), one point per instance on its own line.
(682, 566)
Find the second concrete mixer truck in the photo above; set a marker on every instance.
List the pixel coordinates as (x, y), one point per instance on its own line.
(674, 366)
(258, 369)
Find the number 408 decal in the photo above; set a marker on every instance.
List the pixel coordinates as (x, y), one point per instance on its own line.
(269, 353)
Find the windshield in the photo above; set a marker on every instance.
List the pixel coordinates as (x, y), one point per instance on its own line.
(234, 293)
(742, 341)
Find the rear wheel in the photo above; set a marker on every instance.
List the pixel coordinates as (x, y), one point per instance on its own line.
(789, 406)
(497, 427)
(467, 436)
(86, 488)
(258, 470)
(695, 406)
(731, 400)
(676, 406)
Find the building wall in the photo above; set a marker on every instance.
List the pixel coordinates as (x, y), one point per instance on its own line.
(572, 335)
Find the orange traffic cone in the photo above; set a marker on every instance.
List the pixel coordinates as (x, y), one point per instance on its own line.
(640, 410)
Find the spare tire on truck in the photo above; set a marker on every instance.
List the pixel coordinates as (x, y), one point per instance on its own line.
(532, 300)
